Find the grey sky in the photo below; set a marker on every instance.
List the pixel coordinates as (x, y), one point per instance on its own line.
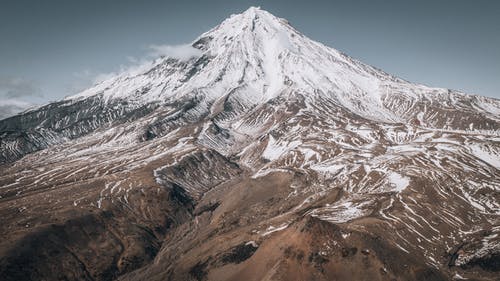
(56, 47)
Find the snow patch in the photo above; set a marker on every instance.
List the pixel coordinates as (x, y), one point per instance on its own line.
(272, 229)
(397, 181)
(489, 157)
(275, 149)
(342, 212)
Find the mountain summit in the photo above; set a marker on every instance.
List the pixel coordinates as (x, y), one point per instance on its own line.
(266, 156)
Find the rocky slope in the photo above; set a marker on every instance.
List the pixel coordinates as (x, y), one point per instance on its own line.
(267, 157)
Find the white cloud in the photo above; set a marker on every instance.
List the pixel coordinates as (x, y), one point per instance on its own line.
(87, 78)
(10, 107)
(14, 102)
(80, 81)
(134, 66)
(181, 52)
(103, 77)
(13, 87)
(17, 94)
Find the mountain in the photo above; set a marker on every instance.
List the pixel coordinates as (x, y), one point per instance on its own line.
(269, 156)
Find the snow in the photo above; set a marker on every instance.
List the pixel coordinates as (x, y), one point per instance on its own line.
(486, 155)
(397, 181)
(328, 168)
(253, 243)
(276, 149)
(255, 52)
(400, 247)
(342, 211)
(420, 118)
(265, 172)
(272, 229)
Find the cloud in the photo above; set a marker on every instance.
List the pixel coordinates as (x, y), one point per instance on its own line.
(17, 94)
(15, 87)
(181, 52)
(11, 107)
(105, 76)
(82, 80)
(87, 78)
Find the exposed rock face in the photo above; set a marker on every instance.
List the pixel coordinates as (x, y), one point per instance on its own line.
(59, 122)
(268, 157)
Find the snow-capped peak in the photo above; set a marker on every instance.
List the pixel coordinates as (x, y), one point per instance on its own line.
(248, 28)
(263, 57)
(255, 50)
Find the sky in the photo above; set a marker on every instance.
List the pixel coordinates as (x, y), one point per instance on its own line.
(56, 48)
